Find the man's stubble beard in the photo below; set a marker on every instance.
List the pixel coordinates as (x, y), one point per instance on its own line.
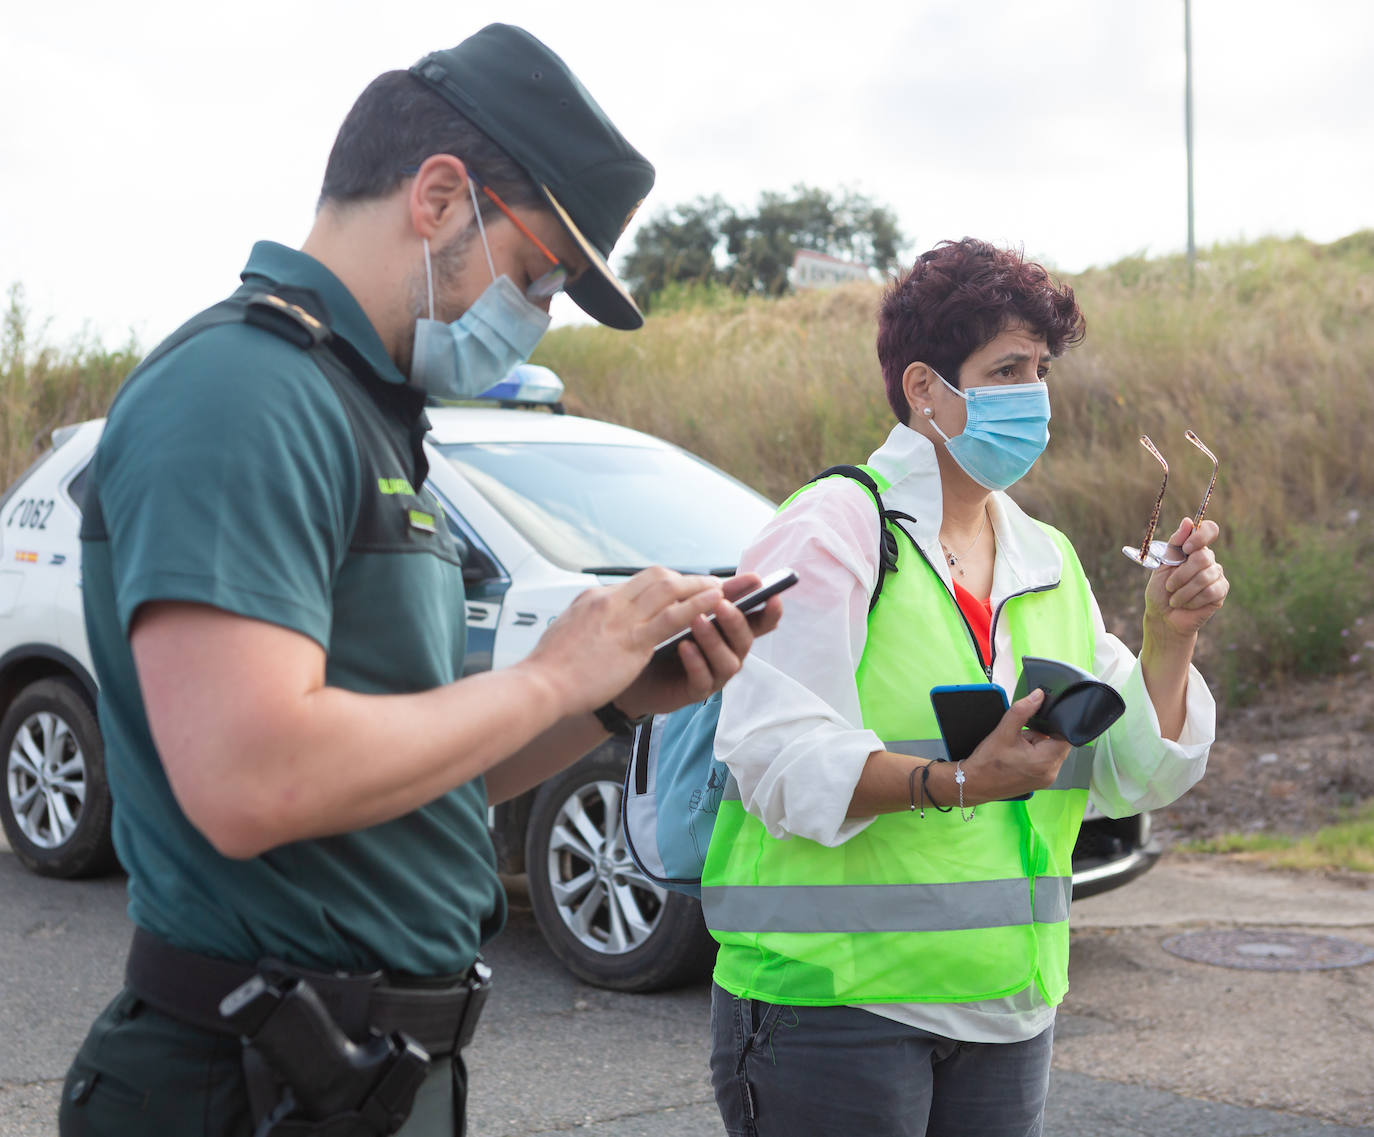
(446, 264)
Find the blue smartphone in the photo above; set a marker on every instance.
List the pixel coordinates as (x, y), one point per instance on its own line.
(967, 714)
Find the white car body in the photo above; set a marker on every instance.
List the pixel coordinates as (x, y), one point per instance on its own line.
(40, 554)
(532, 522)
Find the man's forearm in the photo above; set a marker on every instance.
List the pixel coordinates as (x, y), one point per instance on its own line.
(559, 746)
(259, 751)
(334, 761)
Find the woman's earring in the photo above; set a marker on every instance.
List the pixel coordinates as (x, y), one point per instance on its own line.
(927, 412)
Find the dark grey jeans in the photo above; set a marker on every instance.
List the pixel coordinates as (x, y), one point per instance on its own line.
(785, 1071)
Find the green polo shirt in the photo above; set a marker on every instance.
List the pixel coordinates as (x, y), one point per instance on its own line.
(238, 470)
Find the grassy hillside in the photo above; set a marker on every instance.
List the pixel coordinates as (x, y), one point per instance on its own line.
(1269, 357)
(43, 386)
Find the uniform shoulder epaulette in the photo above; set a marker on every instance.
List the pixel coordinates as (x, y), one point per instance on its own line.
(290, 321)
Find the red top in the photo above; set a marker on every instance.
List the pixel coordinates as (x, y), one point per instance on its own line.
(978, 613)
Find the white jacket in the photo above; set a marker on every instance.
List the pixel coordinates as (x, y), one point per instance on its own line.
(790, 728)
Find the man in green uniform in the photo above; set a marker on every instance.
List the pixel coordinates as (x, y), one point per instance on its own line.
(275, 609)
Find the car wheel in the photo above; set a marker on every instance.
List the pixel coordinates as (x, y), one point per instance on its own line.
(609, 925)
(56, 805)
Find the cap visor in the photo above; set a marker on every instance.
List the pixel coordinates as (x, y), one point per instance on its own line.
(597, 291)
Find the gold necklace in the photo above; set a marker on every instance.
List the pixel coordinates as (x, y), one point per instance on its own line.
(955, 558)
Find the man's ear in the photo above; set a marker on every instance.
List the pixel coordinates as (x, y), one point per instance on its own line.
(438, 201)
(917, 381)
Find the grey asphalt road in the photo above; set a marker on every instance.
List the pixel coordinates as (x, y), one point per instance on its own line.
(1147, 1043)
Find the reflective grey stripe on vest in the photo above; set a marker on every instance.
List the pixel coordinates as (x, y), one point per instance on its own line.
(1077, 771)
(867, 907)
(932, 748)
(1052, 896)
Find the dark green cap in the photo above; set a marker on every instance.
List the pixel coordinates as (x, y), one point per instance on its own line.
(524, 98)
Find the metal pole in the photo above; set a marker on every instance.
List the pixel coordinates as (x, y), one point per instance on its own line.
(1188, 126)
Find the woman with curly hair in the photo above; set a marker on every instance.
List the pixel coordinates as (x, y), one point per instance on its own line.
(893, 927)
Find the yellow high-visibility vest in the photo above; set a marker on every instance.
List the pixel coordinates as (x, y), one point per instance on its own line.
(912, 910)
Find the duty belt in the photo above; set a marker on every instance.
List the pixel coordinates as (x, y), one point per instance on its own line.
(440, 1015)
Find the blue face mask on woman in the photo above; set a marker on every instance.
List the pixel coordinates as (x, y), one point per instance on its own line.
(1007, 430)
(479, 349)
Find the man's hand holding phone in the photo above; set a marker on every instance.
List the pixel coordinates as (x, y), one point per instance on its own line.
(749, 601)
(697, 661)
(601, 648)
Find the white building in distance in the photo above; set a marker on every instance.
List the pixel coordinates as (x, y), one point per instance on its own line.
(817, 270)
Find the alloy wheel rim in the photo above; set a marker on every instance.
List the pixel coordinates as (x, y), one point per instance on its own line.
(45, 775)
(601, 895)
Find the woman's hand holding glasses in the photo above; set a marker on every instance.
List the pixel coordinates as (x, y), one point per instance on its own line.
(1187, 584)
(1181, 598)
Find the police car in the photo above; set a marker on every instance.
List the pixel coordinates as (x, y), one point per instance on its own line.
(547, 505)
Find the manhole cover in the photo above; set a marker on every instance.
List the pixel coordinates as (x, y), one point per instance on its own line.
(1259, 950)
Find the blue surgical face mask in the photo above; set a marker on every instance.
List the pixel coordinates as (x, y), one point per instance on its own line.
(479, 349)
(1007, 430)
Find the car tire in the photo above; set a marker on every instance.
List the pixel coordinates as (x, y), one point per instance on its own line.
(56, 804)
(604, 920)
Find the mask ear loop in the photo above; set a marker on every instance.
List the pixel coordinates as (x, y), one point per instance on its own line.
(930, 414)
(481, 229)
(429, 278)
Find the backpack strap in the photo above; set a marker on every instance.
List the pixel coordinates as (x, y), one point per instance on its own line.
(887, 539)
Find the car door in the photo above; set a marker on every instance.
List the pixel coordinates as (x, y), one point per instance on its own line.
(485, 583)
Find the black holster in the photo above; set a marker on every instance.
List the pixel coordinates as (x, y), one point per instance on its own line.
(329, 1084)
(325, 1054)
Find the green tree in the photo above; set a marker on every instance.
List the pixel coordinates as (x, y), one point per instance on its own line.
(707, 242)
(677, 245)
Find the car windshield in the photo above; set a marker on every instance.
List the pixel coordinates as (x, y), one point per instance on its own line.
(614, 509)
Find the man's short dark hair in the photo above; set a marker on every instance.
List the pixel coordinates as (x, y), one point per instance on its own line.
(959, 296)
(394, 126)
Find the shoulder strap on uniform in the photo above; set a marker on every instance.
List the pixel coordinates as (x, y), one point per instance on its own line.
(887, 540)
(262, 309)
(292, 322)
(284, 312)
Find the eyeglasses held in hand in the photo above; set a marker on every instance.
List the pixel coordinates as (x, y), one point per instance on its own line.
(1153, 554)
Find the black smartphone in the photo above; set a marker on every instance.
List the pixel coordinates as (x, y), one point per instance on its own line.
(769, 587)
(967, 714)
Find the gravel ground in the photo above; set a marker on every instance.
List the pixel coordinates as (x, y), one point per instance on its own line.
(1297, 1041)
(1289, 765)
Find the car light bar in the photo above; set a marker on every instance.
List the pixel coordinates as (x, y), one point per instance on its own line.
(62, 433)
(527, 383)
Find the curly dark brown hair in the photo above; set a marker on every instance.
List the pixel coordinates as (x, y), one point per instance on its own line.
(957, 297)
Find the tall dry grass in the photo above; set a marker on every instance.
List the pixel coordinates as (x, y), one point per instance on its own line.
(1268, 356)
(764, 388)
(43, 386)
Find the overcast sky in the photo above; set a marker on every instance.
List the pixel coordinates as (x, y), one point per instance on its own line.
(148, 143)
